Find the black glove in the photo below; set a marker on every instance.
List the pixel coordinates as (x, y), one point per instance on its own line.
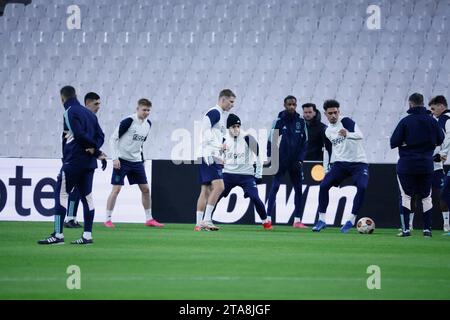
(437, 158)
(104, 164)
(258, 180)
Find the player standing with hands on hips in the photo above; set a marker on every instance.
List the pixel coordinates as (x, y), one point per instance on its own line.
(416, 137)
(344, 157)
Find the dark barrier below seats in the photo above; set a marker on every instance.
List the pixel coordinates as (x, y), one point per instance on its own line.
(175, 189)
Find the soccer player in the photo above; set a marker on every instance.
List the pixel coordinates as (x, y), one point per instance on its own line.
(210, 169)
(348, 159)
(128, 160)
(416, 137)
(81, 148)
(439, 109)
(92, 102)
(243, 166)
(292, 149)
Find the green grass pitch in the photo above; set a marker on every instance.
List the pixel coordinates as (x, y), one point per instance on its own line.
(237, 262)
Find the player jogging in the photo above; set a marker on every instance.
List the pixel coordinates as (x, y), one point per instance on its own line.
(348, 159)
(128, 161)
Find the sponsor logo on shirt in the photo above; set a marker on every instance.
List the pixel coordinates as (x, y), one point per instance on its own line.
(337, 141)
(137, 137)
(235, 155)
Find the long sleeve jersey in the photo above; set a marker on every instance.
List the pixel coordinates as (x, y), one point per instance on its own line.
(242, 155)
(128, 139)
(343, 149)
(293, 138)
(213, 133)
(416, 137)
(81, 131)
(443, 149)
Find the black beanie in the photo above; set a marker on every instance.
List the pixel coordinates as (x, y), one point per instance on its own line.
(232, 120)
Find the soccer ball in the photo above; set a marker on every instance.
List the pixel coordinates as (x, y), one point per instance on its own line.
(365, 225)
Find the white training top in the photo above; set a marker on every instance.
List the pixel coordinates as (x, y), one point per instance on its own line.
(239, 157)
(128, 138)
(344, 149)
(444, 148)
(213, 133)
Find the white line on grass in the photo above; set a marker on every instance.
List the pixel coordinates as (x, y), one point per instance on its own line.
(207, 278)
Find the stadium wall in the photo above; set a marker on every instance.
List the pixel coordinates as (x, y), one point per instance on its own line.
(26, 187)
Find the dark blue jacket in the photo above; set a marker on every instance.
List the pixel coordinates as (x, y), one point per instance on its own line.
(416, 136)
(84, 132)
(294, 142)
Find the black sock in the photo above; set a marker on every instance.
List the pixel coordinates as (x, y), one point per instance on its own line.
(405, 221)
(88, 220)
(427, 220)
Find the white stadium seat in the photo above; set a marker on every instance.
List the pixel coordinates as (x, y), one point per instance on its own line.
(181, 53)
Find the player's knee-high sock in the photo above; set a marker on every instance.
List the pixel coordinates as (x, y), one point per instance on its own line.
(61, 200)
(405, 210)
(198, 217)
(445, 217)
(272, 195)
(74, 200)
(446, 196)
(427, 212)
(88, 212)
(404, 218)
(72, 208)
(208, 212)
(200, 214)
